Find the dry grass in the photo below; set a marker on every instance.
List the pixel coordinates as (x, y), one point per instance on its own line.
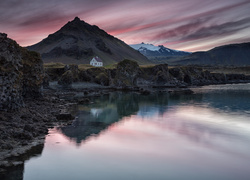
(84, 66)
(53, 65)
(147, 66)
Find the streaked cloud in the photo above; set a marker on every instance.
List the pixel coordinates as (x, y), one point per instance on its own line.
(180, 24)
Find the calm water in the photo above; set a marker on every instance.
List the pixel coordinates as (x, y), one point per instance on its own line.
(125, 136)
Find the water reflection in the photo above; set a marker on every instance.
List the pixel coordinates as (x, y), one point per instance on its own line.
(230, 97)
(109, 109)
(130, 136)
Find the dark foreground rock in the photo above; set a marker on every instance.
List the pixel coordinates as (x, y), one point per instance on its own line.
(26, 127)
(21, 74)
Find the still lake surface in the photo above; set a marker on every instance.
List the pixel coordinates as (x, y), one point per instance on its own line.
(125, 136)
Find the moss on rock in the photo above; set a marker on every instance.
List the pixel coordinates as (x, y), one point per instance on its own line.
(126, 73)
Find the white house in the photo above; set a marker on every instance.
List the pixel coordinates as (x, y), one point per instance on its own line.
(96, 61)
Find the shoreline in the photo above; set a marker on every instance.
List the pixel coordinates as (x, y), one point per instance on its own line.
(53, 109)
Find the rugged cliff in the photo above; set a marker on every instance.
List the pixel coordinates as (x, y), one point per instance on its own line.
(21, 74)
(129, 74)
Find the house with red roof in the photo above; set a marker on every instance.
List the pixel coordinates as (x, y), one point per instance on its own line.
(96, 61)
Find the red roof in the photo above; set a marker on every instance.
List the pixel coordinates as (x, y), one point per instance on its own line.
(97, 59)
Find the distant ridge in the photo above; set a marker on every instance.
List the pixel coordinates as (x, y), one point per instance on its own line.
(227, 55)
(77, 42)
(151, 50)
(158, 54)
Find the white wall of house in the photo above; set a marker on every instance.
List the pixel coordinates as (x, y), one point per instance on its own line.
(95, 63)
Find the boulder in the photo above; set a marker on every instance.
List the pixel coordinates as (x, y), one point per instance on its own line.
(46, 81)
(33, 73)
(102, 79)
(66, 79)
(74, 70)
(126, 73)
(161, 74)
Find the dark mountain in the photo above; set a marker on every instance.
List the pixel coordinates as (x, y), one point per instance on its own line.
(233, 54)
(77, 42)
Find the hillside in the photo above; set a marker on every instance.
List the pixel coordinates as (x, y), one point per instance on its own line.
(77, 42)
(227, 55)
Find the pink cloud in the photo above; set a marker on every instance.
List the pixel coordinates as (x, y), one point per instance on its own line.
(172, 23)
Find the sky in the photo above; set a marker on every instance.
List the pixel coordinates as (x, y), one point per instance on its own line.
(189, 25)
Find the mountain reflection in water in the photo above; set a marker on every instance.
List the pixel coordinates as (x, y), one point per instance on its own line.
(130, 136)
(108, 110)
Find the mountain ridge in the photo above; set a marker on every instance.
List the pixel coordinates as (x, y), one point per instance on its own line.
(226, 55)
(157, 54)
(77, 42)
(160, 50)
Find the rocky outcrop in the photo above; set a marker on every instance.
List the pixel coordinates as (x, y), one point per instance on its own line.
(189, 75)
(155, 75)
(11, 76)
(70, 75)
(66, 79)
(126, 73)
(21, 74)
(33, 73)
(129, 74)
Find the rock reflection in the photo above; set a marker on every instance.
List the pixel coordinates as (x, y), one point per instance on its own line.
(16, 172)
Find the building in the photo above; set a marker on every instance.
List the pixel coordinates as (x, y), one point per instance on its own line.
(96, 61)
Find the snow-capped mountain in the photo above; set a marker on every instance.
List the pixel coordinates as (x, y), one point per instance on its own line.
(149, 50)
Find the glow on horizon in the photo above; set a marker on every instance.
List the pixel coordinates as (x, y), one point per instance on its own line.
(189, 25)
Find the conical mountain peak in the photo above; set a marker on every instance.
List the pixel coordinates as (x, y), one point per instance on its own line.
(77, 42)
(77, 19)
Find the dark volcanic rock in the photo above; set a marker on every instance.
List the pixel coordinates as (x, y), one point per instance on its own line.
(33, 73)
(64, 116)
(161, 74)
(11, 76)
(83, 101)
(126, 73)
(155, 75)
(74, 70)
(46, 81)
(21, 74)
(66, 79)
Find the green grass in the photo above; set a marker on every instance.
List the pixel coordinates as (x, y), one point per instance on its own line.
(111, 66)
